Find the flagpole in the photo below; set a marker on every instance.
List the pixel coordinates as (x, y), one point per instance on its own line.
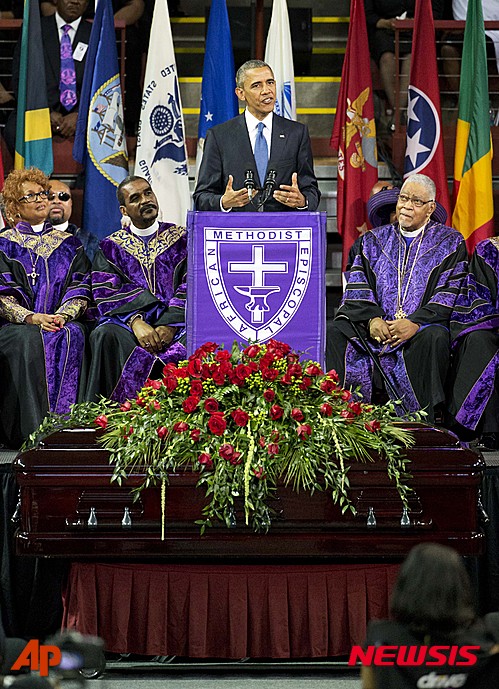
(259, 37)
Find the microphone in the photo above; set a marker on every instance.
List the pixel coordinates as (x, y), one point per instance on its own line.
(249, 183)
(269, 186)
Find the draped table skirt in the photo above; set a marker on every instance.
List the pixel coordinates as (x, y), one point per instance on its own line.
(227, 611)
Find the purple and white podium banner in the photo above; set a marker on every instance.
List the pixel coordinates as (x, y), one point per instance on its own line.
(257, 276)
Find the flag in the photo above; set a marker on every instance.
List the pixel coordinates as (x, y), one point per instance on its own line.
(161, 155)
(218, 96)
(354, 134)
(33, 130)
(279, 55)
(473, 201)
(424, 151)
(100, 142)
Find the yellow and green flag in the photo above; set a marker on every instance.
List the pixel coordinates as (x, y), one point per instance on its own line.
(33, 131)
(473, 201)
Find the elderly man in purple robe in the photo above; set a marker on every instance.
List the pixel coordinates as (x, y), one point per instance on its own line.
(44, 289)
(474, 396)
(400, 295)
(139, 287)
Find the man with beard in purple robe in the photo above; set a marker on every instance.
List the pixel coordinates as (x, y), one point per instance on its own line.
(44, 290)
(139, 287)
(400, 294)
(474, 396)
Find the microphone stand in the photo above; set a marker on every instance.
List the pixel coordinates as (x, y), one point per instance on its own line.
(269, 187)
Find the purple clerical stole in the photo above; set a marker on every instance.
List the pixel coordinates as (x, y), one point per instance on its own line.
(257, 276)
(67, 82)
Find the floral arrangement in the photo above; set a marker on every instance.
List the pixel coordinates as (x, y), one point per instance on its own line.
(245, 419)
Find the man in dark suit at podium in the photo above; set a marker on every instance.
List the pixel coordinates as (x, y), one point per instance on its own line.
(66, 25)
(257, 160)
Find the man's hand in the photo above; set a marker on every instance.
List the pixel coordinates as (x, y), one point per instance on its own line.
(166, 334)
(290, 196)
(68, 125)
(378, 330)
(55, 122)
(147, 336)
(232, 198)
(46, 321)
(401, 330)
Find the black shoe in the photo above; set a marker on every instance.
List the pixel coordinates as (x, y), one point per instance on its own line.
(489, 442)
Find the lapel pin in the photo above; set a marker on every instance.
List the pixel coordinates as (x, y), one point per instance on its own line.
(282, 136)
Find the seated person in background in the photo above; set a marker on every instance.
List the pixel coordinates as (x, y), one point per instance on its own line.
(44, 288)
(474, 395)
(401, 292)
(139, 287)
(60, 208)
(260, 141)
(63, 81)
(432, 604)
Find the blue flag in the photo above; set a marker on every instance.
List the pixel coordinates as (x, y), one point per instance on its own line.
(100, 142)
(218, 97)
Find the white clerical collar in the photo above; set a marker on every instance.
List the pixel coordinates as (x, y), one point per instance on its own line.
(147, 232)
(38, 228)
(60, 23)
(62, 226)
(252, 122)
(411, 235)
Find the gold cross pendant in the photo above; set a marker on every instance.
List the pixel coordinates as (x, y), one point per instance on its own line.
(400, 313)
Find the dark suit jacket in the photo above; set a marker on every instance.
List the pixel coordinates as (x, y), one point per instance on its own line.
(51, 49)
(227, 151)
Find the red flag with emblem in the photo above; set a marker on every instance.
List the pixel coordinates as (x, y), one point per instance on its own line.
(354, 133)
(424, 148)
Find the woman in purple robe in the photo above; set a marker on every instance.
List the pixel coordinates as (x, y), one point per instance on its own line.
(139, 286)
(474, 397)
(400, 295)
(44, 289)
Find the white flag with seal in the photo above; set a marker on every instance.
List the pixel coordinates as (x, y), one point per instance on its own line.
(161, 155)
(279, 55)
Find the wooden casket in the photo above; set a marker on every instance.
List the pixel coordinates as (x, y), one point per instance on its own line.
(69, 474)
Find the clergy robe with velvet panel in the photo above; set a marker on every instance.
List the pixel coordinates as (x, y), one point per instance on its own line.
(130, 276)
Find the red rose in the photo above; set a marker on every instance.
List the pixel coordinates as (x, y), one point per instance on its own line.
(273, 449)
(222, 355)
(306, 383)
(313, 370)
(205, 460)
(156, 405)
(180, 427)
(207, 348)
(240, 417)
(140, 402)
(194, 367)
(355, 407)
(268, 395)
(155, 384)
(126, 406)
(346, 395)
(286, 379)
(189, 404)
(333, 375)
(196, 388)
(168, 369)
(269, 373)
(372, 426)
(265, 361)
(162, 432)
(278, 349)
(297, 414)
(276, 412)
(347, 414)
(294, 370)
(217, 424)
(327, 385)
(170, 383)
(303, 430)
(181, 372)
(252, 351)
(326, 409)
(259, 473)
(218, 376)
(228, 452)
(261, 441)
(195, 433)
(275, 435)
(211, 405)
(101, 421)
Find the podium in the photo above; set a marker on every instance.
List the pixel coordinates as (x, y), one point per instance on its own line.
(257, 276)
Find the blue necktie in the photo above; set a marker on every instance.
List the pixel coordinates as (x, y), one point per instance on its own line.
(261, 153)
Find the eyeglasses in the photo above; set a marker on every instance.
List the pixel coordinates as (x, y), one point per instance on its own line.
(61, 195)
(418, 203)
(32, 197)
